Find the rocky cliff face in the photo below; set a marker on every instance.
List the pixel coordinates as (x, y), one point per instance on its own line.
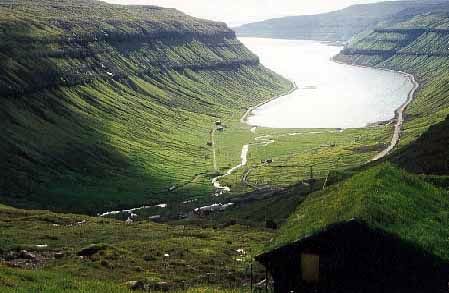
(110, 106)
(69, 43)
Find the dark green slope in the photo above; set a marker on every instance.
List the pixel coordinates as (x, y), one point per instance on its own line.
(339, 25)
(429, 154)
(106, 106)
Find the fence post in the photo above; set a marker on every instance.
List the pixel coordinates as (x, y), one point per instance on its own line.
(266, 280)
(251, 282)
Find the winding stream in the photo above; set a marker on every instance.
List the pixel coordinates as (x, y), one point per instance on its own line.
(222, 189)
(263, 140)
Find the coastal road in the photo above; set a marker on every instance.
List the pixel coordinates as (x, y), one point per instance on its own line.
(399, 120)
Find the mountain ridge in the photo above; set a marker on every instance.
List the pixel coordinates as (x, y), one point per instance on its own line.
(338, 25)
(107, 106)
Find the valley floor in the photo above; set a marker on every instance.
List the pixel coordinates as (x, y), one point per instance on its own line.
(152, 139)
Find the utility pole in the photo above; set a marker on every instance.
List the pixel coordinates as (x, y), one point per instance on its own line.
(266, 280)
(251, 269)
(311, 181)
(327, 178)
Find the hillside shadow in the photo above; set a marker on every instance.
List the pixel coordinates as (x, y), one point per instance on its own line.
(54, 158)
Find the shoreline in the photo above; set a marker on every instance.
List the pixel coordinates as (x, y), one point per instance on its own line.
(399, 116)
(398, 113)
(245, 116)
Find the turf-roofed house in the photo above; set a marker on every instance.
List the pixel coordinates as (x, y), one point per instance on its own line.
(383, 230)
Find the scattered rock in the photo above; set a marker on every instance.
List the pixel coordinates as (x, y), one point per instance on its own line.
(149, 258)
(153, 218)
(10, 256)
(91, 250)
(261, 284)
(162, 286)
(26, 255)
(26, 259)
(130, 284)
(106, 264)
(140, 285)
(241, 252)
(135, 285)
(139, 269)
(59, 255)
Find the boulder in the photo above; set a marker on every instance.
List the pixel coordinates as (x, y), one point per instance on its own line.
(26, 255)
(135, 285)
(91, 250)
(162, 286)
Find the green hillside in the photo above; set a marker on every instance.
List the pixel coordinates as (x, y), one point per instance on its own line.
(429, 154)
(106, 106)
(383, 197)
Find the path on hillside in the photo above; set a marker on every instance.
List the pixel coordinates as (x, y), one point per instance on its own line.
(399, 119)
(214, 153)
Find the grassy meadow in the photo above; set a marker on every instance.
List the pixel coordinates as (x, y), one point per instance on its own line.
(179, 256)
(294, 152)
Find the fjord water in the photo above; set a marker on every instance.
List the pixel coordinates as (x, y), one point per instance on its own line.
(329, 94)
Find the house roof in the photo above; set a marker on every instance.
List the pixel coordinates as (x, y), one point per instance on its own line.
(383, 197)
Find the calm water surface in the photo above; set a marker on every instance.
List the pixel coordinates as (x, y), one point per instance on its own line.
(329, 95)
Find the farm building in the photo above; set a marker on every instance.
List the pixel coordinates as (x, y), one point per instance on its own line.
(381, 231)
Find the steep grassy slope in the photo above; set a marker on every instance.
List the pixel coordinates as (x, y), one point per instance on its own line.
(429, 154)
(339, 25)
(384, 197)
(417, 45)
(108, 106)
